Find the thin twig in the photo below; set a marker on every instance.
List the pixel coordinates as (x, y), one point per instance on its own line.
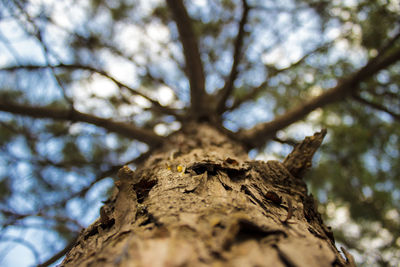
(60, 253)
(274, 72)
(386, 46)
(99, 177)
(259, 134)
(10, 48)
(39, 36)
(376, 106)
(226, 91)
(290, 142)
(22, 242)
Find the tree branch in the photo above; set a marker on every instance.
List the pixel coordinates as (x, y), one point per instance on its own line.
(37, 33)
(22, 242)
(99, 177)
(226, 91)
(257, 90)
(13, 52)
(194, 66)
(60, 254)
(122, 128)
(288, 141)
(82, 192)
(155, 104)
(388, 44)
(259, 134)
(376, 106)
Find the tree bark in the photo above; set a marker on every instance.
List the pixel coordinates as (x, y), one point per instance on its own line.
(200, 201)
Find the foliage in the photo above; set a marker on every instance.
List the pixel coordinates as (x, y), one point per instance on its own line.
(125, 61)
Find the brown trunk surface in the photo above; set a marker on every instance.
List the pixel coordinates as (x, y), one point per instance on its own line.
(199, 201)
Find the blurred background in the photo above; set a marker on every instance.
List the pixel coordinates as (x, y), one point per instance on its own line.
(109, 58)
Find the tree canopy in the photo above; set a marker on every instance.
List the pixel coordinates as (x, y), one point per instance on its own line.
(89, 86)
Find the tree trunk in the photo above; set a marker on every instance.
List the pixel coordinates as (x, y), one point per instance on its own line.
(199, 201)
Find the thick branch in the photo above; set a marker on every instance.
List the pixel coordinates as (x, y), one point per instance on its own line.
(228, 87)
(194, 66)
(155, 104)
(125, 129)
(260, 133)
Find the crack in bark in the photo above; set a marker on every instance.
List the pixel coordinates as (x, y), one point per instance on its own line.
(217, 206)
(249, 230)
(245, 189)
(284, 258)
(142, 189)
(212, 168)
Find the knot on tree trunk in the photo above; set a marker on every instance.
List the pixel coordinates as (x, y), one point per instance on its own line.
(299, 160)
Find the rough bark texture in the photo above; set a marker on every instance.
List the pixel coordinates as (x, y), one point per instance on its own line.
(199, 201)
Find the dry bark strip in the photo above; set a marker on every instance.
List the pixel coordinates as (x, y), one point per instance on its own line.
(299, 160)
(199, 201)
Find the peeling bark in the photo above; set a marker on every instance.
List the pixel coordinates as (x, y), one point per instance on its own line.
(199, 201)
